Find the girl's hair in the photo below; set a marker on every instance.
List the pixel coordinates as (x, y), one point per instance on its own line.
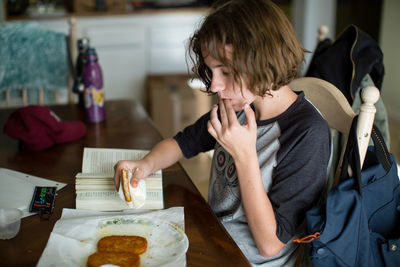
(266, 51)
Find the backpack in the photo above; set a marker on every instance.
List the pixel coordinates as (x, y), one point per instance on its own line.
(359, 223)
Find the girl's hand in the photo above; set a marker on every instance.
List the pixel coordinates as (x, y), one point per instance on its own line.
(230, 134)
(138, 168)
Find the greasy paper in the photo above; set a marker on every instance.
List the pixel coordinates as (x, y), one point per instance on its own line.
(76, 233)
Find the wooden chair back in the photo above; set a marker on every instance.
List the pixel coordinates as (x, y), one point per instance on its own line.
(336, 110)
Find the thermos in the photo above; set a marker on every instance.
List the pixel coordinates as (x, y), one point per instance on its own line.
(94, 91)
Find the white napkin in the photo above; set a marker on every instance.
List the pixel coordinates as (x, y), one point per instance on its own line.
(138, 194)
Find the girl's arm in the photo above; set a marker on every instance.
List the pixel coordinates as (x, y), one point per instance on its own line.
(163, 155)
(240, 142)
(257, 206)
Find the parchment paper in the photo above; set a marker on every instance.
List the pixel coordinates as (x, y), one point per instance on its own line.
(75, 235)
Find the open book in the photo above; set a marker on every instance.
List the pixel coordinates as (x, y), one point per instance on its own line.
(95, 188)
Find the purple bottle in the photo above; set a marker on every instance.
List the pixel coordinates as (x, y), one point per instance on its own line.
(94, 91)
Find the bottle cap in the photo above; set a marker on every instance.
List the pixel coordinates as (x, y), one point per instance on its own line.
(91, 51)
(91, 54)
(83, 43)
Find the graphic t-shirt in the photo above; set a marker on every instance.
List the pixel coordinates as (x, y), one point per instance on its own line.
(293, 152)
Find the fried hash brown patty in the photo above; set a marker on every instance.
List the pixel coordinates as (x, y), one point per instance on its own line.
(120, 259)
(122, 243)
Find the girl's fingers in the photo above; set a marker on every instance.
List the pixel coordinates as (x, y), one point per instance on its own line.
(250, 117)
(230, 113)
(137, 174)
(223, 114)
(211, 130)
(214, 121)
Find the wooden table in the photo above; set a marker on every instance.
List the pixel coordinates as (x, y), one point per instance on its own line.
(127, 126)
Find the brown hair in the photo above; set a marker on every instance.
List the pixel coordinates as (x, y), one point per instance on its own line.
(266, 50)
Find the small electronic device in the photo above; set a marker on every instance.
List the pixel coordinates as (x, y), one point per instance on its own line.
(43, 201)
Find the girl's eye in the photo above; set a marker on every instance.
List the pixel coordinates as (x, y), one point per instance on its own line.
(226, 73)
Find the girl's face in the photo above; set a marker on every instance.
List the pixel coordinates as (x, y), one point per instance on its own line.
(223, 84)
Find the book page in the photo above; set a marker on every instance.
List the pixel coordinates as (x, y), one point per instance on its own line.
(92, 176)
(81, 184)
(102, 160)
(95, 187)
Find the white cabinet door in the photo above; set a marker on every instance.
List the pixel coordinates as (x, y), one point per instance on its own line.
(121, 50)
(124, 73)
(169, 35)
(168, 48)
(58, 25)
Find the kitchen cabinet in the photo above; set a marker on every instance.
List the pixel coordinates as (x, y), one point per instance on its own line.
(131, 47)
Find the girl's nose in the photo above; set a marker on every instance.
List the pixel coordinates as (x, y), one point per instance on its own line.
(216, 86)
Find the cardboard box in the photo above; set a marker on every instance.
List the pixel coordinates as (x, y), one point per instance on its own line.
(173, 105)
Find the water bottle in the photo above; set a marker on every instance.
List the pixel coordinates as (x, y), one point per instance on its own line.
(79, 86)
(94, 91)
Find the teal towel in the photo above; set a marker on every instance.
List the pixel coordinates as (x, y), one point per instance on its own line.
(34, 58)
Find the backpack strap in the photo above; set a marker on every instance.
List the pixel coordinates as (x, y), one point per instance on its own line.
(352, 156)
(382, 152)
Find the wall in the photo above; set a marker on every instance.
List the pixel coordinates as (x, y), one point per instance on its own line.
(390, 44)
(307, 16)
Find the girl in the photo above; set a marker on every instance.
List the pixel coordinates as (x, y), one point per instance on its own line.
(271, 146)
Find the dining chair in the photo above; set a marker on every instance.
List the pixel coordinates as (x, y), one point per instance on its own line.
(36, 65)
(336, 110)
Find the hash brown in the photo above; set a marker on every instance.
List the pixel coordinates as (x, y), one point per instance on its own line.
(116, 258)
(122, 243)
